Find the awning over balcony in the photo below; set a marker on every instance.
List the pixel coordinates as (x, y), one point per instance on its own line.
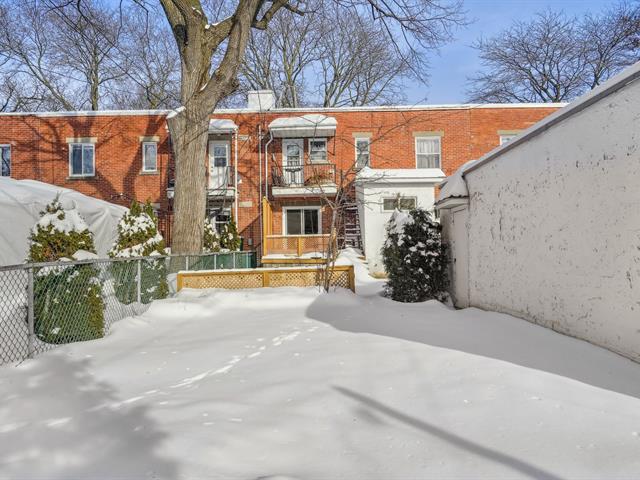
(222, 126)
(311, 125)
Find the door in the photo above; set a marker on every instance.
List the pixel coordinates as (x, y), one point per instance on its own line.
(292, 161)
(460, 257)
(218, 164)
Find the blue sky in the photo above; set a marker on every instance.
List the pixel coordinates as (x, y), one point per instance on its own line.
(458, 60)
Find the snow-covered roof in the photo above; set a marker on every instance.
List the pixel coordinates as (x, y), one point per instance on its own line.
(310, 125)
(399, 175)
(455, 186)
(21, 202)
(222, 125)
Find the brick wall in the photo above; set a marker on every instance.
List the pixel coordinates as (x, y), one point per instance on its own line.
(40, 149)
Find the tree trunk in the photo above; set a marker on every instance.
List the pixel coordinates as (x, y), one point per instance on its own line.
(188, 132)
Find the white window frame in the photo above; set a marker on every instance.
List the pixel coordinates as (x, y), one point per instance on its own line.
(429, 137)
(402, 197)
(144, 157)
(6, 145)
(285, 211)
(357, 152)
(326, 150)
(82, 145)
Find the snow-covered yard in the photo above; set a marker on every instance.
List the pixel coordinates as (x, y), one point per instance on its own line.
(292, 382)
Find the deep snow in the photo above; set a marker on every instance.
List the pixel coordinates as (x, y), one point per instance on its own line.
(292, 382)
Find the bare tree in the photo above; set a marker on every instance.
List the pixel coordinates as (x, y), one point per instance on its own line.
(351, 60)
(554, 58)
(278, 58)
(359, 65)
(67, 60)
(152, 78)
(612, 41)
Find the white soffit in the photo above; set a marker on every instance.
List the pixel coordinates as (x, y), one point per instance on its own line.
(311, 125)
(221, 126)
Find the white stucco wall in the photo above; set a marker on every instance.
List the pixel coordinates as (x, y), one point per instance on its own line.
(373, 218)
(554, 226)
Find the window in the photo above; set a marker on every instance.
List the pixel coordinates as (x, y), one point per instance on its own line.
(318, 150)
(5, 153)
(302, 221)
(81, 160)
(220, 218)
(402, 203)
(507, 138)
(149, 157)
(427, 152)
(362, 152)
(220, 154)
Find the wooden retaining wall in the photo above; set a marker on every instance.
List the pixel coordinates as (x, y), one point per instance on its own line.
(342, 276)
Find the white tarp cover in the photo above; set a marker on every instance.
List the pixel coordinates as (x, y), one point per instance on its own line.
(311, 125)
(21, 202)
(221, 125)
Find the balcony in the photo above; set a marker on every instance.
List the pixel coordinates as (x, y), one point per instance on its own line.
(220, 183)
(303, 179)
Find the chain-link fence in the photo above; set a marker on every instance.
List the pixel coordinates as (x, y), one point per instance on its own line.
(47, 304)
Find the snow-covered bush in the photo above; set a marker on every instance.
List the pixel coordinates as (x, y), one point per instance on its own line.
(68, 305)
(229, 237)
(211, 238)
(414, 257)
(138, 236)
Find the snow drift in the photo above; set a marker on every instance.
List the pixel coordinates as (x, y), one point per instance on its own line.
(21, 202)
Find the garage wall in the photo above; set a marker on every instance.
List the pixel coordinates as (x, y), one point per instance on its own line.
(554, 226)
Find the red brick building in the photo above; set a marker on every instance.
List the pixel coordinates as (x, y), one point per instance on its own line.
(123, 155)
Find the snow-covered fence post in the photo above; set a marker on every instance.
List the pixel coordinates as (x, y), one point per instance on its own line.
(234, 259)
(30, 316)
(186, 263)
(139, 276)
(215, 261)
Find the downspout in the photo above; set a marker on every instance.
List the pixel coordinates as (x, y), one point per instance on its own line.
(235, 178)
(266, 162)
(260, 181)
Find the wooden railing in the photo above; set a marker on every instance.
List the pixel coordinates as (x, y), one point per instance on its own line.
(340, 276)
(295, 244)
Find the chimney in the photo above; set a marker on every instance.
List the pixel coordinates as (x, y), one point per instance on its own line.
(261, 100)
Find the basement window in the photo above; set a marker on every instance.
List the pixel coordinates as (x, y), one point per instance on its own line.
(401, 203)
(5, 153)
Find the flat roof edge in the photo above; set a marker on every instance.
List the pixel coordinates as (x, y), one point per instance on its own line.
(372, 108)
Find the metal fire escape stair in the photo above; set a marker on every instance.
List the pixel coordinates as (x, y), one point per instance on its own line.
(351, 235)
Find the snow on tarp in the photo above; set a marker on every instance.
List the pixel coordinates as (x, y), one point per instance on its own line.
(455, 186)
(21, 202)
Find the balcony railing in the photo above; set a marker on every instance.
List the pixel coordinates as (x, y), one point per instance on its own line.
(297, 245)
(304, 175)
(219, 182)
